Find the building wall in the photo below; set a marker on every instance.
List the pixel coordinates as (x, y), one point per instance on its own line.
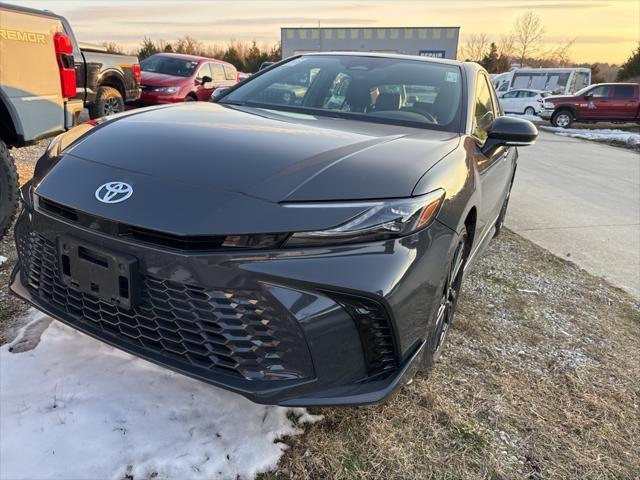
(429, 41)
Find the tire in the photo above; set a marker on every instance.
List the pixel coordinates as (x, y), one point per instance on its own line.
(444, 314)
(562, 119)
(8, 189)
(529, 111)
(107, 102)
(190, 98)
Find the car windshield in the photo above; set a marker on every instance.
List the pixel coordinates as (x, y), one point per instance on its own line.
(388, 90)
(169, 66)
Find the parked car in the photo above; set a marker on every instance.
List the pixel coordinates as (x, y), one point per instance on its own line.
(264, 65)
(298, 250)
(106, 81)
(37, 90)
(604, 102)
(172, 77)
(524, 101)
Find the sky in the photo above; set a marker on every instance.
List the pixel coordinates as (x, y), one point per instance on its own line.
(604, 30)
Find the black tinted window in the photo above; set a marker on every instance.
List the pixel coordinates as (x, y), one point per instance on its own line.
(168, 66)
(624, 91)
(388, 90)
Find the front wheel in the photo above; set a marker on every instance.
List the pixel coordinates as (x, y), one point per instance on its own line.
(562, 119)
(8, 189)
(108, 101)
(449, 295)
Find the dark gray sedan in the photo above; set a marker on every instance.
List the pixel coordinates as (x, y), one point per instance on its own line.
(302, 241)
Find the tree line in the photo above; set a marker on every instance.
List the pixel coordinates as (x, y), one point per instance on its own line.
(245, 56)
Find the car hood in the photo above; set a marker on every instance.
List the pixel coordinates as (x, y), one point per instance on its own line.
(161, 79)
(559, 98)
(201, 158)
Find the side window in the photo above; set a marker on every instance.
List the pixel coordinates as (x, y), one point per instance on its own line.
(484, 109)
(523, 94)
(601, 92)
(510, 94)
(230, 72)
(203, 71)
(624, 91)
(217, 72)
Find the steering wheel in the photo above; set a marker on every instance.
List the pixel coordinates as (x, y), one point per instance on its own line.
(426, 115)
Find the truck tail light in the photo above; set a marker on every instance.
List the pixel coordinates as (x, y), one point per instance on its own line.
(64, 55)
(137, 73)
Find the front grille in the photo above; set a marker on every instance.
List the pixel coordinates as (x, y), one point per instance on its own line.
(376, 333)
(154, 237)
(238, 332)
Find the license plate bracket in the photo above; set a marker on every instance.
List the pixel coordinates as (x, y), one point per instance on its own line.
(96, 271)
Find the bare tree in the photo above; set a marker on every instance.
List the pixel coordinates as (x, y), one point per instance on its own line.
(506, 45)
(475, 47)
(112, 47)
(528, 31)
(560, 55)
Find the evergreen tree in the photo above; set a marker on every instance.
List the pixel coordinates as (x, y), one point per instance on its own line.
(631, 68)
(490, 60)
(233, 57)
(147, 49)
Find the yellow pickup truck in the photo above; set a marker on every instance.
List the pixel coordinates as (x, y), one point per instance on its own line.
(37, 90)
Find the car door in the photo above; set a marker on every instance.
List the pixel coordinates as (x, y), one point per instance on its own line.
(625, 102)
(508, 101)
(598, 103)
(204, 83)
(496, 168)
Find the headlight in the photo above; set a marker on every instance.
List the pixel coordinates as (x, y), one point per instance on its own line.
(165, 89)
(381, 220)
(548, 105)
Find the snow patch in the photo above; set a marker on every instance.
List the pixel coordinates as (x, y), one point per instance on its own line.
(74, 407)
(599, 135)
(2, 260)
(531, 118)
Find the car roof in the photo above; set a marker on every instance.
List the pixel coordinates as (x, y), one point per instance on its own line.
(398, 56)
(194, 58)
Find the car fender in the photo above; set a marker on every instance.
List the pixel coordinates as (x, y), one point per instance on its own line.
(455, 174)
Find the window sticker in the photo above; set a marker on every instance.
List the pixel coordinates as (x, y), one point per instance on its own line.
(451, 77)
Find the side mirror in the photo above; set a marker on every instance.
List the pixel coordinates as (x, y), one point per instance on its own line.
(588, 96)
(509, 132)
(218, 93)
(206, 79)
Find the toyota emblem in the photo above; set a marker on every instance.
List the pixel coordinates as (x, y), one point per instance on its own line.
(114, 192)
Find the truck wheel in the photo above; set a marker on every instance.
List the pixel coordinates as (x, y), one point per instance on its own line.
(562, 119)
(8, 189)
(108, 101)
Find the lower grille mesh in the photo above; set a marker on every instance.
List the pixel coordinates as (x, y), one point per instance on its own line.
(238, 332)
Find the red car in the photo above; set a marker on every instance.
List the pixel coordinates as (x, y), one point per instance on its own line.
(172, 77)
(604, 102)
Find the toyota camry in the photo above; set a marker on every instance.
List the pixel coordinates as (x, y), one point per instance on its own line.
(301, 241)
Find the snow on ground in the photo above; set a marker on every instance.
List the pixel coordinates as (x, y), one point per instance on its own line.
(531, 118)
(600, 135)
(75, 408)
(2, 260)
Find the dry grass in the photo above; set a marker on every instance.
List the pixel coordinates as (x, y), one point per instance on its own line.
(533, 385)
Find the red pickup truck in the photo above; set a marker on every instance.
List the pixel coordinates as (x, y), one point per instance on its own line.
(603, 102)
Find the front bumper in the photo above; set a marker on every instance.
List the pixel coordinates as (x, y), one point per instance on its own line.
(324, 326)
(546, 113)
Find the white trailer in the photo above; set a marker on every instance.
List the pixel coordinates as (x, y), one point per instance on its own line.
(559, 81)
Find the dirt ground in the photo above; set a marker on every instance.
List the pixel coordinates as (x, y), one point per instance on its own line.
(540, 380)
